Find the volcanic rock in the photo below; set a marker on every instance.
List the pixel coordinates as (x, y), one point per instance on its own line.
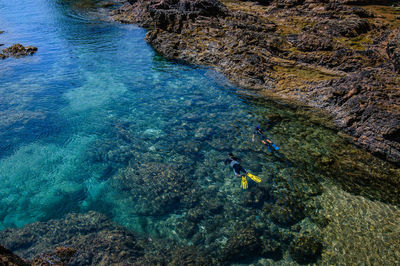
(305, 249)
(96, 239)
(158, 188)
(10, 259)
(241, 245)
(393, 51)
(18, 50)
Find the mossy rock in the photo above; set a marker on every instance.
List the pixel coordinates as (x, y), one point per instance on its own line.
(241, 245)
(158, 188)
(256, 197)
(288, 208)
(271, 249)
(305, 249)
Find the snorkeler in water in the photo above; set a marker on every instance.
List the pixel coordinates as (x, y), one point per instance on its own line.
(264, 140)
(234, 163)
(239, 171)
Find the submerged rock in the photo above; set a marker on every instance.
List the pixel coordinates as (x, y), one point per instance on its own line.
(158, 188)
(296, 50)
(61, 256)
(91, 239)
(256, 196)
(8, 258)
(288, 208)
(305, 249)
(96, 238)
(163, 253)
(286, 215)
(242, 244)
(271, 249)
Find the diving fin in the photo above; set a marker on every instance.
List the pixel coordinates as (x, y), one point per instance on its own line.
(254, 177)
(244, 184)
(274, 146)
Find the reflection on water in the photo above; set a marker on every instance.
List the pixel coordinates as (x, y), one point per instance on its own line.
(97, 121)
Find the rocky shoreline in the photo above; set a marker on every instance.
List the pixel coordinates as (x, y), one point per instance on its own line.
(332, 55)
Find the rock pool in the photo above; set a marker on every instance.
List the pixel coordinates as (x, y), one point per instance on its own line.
(98, 129)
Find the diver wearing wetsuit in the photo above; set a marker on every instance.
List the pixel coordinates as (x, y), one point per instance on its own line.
(270, 146)
(234, 163)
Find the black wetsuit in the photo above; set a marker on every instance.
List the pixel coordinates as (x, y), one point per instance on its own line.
(264, 139)
(259, 132)
(237, 168)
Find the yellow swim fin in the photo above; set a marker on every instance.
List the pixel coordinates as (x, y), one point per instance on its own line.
(254, 177)
(244, 184)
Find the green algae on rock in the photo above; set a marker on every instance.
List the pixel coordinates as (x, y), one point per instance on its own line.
(159, 189)
(61, 256)
(359, 230)
(305, 249)
(97, 239)
(90, 239)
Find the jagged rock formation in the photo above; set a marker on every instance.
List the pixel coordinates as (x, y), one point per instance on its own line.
(10, 259)
(96, 239)
(90, 239)
(326, 54)
(17, 50)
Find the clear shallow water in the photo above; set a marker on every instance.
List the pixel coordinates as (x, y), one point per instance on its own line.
(89, 82)
(95, 120)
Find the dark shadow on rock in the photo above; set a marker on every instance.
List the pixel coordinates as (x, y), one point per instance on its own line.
(305, 249)
(7, 258)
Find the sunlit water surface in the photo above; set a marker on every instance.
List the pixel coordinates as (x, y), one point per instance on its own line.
(96, 109)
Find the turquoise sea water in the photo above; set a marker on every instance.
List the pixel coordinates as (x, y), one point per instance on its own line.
(96, 120)
(88, 81)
